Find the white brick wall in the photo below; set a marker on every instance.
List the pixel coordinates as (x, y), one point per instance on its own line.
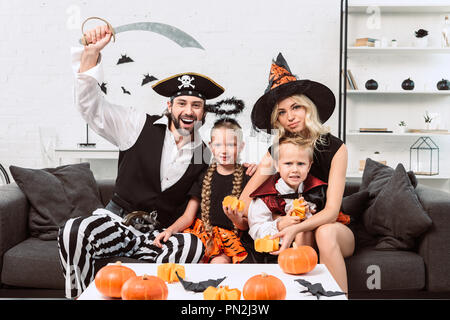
(240, 38)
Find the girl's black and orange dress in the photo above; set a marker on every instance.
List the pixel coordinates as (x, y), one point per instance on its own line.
(223, 239)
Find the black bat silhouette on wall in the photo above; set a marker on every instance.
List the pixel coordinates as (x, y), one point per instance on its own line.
(125, 91)
(148, 78)
(102, 87)
(124, 59)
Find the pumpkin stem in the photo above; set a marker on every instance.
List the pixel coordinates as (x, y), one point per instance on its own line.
(294, 245)
(145, 277)
(263, 274)
(118, 263)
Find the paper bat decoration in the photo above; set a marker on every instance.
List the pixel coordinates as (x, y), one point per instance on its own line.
(102, 87)
(124, 59)
(317, 290)
(148, 78)
(226, 107)
(125, 91)
(199, 286)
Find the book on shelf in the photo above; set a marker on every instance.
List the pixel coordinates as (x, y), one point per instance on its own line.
(350, 81)
(380, 130)
(365, 42)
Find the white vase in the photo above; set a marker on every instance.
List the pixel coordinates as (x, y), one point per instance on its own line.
(401, 129)
(421, 42)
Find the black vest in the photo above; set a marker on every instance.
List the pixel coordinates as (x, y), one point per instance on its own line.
(138, 183)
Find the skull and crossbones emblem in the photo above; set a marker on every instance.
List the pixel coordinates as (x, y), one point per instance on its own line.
(186, 81)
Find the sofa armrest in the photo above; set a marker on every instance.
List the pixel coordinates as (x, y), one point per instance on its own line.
(106, 189)
(434, 246)
(14, 209)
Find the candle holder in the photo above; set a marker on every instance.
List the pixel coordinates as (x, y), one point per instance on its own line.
(424, 157)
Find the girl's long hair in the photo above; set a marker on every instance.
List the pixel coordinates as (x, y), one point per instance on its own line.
(238, 175)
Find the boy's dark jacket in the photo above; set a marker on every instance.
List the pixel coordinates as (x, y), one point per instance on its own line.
(314, 190)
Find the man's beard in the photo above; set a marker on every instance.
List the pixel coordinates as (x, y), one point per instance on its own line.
(184, 131)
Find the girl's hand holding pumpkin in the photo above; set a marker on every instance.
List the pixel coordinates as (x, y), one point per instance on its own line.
(234, 215)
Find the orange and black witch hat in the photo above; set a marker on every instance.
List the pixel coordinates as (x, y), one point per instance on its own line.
(282, 84)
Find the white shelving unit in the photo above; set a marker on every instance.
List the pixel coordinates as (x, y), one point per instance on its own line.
(389, 66)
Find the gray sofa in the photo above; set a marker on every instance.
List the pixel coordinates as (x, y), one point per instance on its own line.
(30, 267)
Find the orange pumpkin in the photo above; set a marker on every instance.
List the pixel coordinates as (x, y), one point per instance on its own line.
(144, 288)
(264, 287)
(110, 278)
(298, 260)
(234, 202)
(221, 293)
(166, 271)
(299, 208)
(266, 244)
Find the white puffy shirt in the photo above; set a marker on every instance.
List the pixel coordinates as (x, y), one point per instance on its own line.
(121, 125)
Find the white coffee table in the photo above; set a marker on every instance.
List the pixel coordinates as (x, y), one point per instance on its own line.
(236, 276)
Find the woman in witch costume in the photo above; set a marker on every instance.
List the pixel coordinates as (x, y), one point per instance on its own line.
(295, 107)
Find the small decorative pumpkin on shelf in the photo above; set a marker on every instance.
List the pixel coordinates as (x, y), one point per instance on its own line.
(110, 279)
(166, 272)
(234, 202)
(408, 84)
(221, 293)
(266, 244)
(371, 84)
(298, 260)
(144, 288)
(264, 287)
(444, 84)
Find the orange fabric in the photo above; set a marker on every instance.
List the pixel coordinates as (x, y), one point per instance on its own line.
(343, 218)
(223, 241)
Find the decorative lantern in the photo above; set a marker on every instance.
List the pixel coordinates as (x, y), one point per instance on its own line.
(424, 157)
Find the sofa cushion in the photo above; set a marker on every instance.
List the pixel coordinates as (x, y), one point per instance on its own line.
(376, 175)
(57, 194)
(396, 216)
(35, 263)
(397, 270)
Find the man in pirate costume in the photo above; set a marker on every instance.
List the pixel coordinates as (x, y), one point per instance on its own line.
(160, 158)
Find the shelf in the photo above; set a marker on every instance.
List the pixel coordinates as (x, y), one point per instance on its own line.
(400, 9)
(406, 134)
(441, 176)
(398, 50)
(399, 92)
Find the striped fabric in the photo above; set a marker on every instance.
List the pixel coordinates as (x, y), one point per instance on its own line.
(84, 239)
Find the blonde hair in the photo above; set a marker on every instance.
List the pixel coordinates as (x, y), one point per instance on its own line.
(238, 176)
(314, 129)
(298, 141)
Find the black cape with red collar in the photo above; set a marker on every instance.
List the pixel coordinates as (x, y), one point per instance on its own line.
(314, 190)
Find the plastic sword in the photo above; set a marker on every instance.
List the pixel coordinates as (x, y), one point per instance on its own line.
(178, 36)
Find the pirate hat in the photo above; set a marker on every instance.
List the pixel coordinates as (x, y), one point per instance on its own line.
(282, 84)
(188, 84)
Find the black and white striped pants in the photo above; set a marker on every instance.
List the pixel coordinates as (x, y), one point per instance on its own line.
(84, 239)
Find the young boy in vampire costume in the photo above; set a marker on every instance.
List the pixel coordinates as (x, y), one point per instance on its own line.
(160, 157)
